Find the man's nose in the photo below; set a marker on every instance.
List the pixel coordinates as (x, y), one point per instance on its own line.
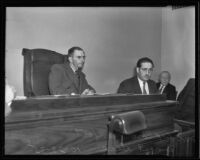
(82, 60)
(148, 72)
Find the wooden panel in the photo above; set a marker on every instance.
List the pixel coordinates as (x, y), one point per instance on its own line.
(71, 115)
(149, 145)
(60, 138)
(62, 102)
(77, 125)
(185, 144)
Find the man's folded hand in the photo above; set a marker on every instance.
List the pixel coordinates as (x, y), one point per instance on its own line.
(88, 92)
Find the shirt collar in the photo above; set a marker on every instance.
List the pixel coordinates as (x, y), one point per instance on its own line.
(72, 67)
(140, 81)
(163, 85)
(141, 85)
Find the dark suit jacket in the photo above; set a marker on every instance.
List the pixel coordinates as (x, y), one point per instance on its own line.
(186, 98)
(62, 80)
(131, 85)
(169, 90)
(188, 89)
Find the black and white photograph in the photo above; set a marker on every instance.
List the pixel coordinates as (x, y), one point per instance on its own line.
(101, 80)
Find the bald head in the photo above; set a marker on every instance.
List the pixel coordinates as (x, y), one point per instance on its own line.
(164, 77)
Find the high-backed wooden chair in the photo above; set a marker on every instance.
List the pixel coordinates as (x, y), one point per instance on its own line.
(37, 64)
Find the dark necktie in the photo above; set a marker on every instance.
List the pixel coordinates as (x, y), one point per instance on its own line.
(78, 79)
(144, 90)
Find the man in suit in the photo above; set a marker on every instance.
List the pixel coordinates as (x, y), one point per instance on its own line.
(141, 83)
(68, 78)
(165, 87)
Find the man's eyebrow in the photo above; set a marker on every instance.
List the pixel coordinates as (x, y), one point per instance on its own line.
(148, 68)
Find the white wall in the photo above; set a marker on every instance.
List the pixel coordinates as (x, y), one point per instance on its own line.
(178, 44)
(113, 38)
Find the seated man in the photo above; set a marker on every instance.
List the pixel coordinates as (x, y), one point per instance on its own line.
(140, 84)
(165, 87)
(68, 78)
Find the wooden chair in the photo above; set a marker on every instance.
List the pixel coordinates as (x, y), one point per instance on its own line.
(37, 64)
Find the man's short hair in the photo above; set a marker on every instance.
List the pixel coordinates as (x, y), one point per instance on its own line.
(143, 60)
(71, 50)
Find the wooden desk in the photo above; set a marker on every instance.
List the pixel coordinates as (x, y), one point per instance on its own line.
(77, 125)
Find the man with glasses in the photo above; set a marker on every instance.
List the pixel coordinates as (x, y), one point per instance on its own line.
(68, 78)
(141, 83)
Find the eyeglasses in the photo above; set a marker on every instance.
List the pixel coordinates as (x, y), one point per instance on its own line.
(147, 69)
(79, 57)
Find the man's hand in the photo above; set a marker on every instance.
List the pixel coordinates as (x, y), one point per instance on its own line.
(87, 92)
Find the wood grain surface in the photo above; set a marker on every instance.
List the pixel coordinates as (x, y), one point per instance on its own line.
(61, 125)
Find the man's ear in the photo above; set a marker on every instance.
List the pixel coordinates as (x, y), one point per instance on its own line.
(70, 59)
(137, 69)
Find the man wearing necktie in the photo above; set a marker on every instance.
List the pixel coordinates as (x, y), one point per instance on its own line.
(141, 83)
(68, 78)
(165, 87)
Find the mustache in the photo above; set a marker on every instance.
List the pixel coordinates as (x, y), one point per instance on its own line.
(147, 76)
(80, 63)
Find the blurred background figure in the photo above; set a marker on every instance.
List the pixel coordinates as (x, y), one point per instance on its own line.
(186, 99)
(165, 87)
(10, 94)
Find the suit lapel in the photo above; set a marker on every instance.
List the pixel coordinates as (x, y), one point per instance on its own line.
(150, 87)
(166, 88)
(81, 81)
(158, 85)
(71, 75)
(137, 86)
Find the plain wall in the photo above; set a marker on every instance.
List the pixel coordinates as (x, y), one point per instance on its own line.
(178, 44)
(113, 39)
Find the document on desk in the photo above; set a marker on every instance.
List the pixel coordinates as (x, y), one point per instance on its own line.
(20, 97)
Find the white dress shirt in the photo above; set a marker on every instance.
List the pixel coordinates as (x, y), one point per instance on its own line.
(141, 85)
(163, 87)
